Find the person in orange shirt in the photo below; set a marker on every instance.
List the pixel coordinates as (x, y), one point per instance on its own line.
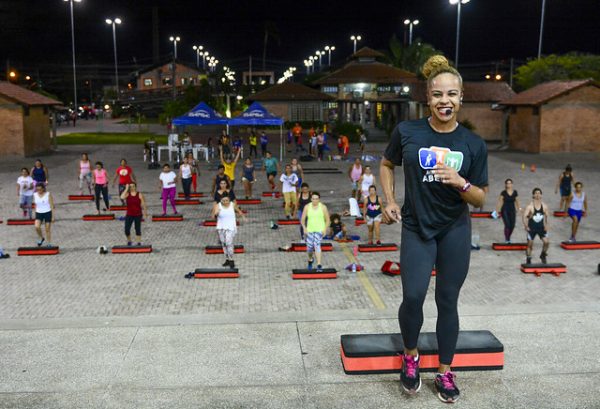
(345, 146)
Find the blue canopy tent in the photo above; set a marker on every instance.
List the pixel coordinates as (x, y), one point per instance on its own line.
(200, 115)
(257, 115)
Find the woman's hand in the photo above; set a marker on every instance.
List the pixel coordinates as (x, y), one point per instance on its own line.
(391, 213)
(448, 176)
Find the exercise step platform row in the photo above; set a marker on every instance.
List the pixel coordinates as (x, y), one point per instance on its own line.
(186, 202)
(20, 222)
(359, 221)
(302, 247)
(249, 201)
(98, 217)
(381, 353)
(370, 248)
(132, 249)
(117, 208)
(238, 248)
(509, 246)
(271, 194)
(539, 269)
(580, 245)
(481, 215)
(181, 195)
(167, 218)
(81, 197)
(213, 223)
(288, 222)
(393, 269)
(216, 273)
(305, 274)
(37, 251)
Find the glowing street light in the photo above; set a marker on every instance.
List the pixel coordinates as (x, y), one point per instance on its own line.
(410, 24)
(114, 22)
(355, 38)
(198, 49)
(73, 51)
(175, 40)
(458, 3)
(329, 49)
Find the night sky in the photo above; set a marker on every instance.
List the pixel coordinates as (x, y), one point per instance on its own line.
(34, 32)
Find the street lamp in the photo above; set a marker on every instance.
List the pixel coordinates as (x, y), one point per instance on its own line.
(174, 40)
(114, 30)
(198, 49)
(312, 62)
(541, 29)
(355, 38)
(319, 54)
(73, 50)
(329, 49)
(410, 24)
(458, 3)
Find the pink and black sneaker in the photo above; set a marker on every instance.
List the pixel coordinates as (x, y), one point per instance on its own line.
(445, 385)
(409, 376)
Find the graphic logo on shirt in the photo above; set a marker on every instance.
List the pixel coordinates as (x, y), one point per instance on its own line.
(538, 217)
(429, 157)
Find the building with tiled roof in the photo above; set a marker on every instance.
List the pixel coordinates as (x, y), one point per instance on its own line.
(25, 119)
(556, 116)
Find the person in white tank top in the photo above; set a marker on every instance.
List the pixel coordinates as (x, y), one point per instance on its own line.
(185, 174)
(44, 213)
(366, 180)
(85, 173)
(225, 213)
(577, 204)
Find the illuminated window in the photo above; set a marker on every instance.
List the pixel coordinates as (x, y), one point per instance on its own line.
(330, 89)
(147, 82)
(166, 81)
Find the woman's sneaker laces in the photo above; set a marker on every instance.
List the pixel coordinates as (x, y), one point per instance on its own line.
(409, 376)
(447, 390)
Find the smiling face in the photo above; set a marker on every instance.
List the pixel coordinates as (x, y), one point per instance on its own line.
(444, 96)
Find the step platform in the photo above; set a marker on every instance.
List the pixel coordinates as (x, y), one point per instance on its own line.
(302, 247)
(216, 273)
(167, 218)
(219, 250)
(213, 223)
(117, 208)
(132, 249)
(249, 201)
(304, 274)
(538, 269)
(393, 269)
(288, 222)
(196, 195)
(187, 202)
(98, 217)
(359, 221)
(580, 245)
(370, 248)
(481, 215)
(270, 194)
(20, 222)
(560, 213)
(88, 198)
(37, 251)
(368, 354)
(509, 246)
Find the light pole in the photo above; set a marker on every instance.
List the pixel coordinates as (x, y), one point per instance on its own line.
(312, 62)
(541, 29)
(114, 23)
(329, 49)
(319, 54)
(198, 49)
(307, 66)
(355, 38)
(174, 40)
(410, 24)
(73, 50)
(458, 3)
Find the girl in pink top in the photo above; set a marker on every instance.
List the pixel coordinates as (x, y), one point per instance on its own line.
(85, 173)
(100, 182)
(354, 173)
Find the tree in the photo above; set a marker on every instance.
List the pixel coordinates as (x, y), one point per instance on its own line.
(571, 66)
(412, 57)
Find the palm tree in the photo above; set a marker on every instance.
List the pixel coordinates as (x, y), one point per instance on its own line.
(272, 31)
(412, 57)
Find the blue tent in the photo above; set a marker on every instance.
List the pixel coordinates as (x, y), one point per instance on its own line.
(200, 115)
(257, 115)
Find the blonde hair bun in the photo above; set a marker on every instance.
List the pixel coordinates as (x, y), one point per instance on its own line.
(435, 64)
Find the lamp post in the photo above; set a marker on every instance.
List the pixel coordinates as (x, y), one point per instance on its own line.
(198, 49)
(458, 3)
(329, 49)
(174, 40)
(307, 67)
(541, 29)
(410, 24)
(355, 38)
(73, 50)
(312, 62)
(114, 23)
(320, 53)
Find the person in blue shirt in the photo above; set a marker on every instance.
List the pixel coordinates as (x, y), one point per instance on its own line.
(271, 168)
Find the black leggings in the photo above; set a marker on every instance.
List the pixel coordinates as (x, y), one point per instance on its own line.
(129, 220)
(104, 190)
(451, 253)
(187, 186)
(253, 149)
(509, 218)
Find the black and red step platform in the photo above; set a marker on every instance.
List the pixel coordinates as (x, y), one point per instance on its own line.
(393, 269)
(539, 269)
(249, 201)
(132, 249)
(38, 251)
(20, 222)
(371, 248)
(238, 248)
(167, 217)
(481, 215)
(580, 245)
(117, 208)
(367, 354)
(560, 213)
(359, 221)
(98, 217)
(80, 198)
(302, 247)
(213, 223)
(509, 246)
(187, 202)
(314, 274)
(272, 194)
(216, 273)
(196, 195)
(288, 222)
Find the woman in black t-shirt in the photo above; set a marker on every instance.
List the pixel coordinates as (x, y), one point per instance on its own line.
(508, 204)
(222, 191)
(445, 170)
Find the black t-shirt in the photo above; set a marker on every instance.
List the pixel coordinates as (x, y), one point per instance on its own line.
(509, 201)
(430, 207)
(219, 196)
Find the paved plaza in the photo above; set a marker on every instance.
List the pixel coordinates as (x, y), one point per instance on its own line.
(84, 330)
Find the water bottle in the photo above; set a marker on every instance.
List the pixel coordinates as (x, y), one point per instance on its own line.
(354, 267)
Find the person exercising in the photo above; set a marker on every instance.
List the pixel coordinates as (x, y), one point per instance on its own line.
(535, 219)
(578, 208)
(136, 207)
